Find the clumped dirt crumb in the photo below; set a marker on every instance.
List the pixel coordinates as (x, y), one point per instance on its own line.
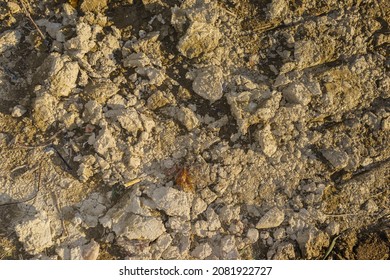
(195, 129)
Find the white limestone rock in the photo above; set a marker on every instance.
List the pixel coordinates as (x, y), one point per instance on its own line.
(101, 90)
(136, 60)
(90, 251)
(172, 201)
(160, 245)
(81, 44)
(188, 118)
(266, 140)
(297, 93)
(134, 226)
(18, 111)
(57, 74)
(91, 209)
(179, 224)
(35, 234)
(278, 9)
(308, 53)
(198, 206)
(93, 112)
(273, 218)
(229, 213)
(228, 248)
(285, 251)
(160, 99)
(130, 121)
(104, 141)
(156, 76)
(208, 83)
(213, 222)
(252, 235)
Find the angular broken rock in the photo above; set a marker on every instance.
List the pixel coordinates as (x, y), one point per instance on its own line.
(160, 99)
(198, 206)
(90, 251)
(273, 218)
(172, 201)
(155, 76)
(104, 141)
(202, 251)
(252, 235)
(266, 140)
(64, 80)
(139, 227)
(43, 114)
(309, 53)
(297, 93)
(339, 159)
(278, 9)
(136, 60)
(18, 111)
(9, 39)
(228, 248)
(59, 73)
(188, 118)
(91, 209)
(81, 44)
(130, 121)
(101, 91)
(208, 83)
(93, 112)
(199, 39)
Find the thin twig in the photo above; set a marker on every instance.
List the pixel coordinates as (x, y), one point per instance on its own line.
(31, 19)
(341, 215)
(62, 158)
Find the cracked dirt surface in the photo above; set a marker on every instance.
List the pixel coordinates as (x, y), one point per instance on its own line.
(194, 129)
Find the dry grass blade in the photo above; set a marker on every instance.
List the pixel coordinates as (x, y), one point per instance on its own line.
(331, 247)
(31, 19)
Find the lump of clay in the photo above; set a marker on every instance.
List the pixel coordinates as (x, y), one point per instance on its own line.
(199, 39)
(43, 113)
(101, 91)
(93, 5)
(267, 141)
(59, 73)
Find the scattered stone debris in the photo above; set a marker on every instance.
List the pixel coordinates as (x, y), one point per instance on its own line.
(194, 129)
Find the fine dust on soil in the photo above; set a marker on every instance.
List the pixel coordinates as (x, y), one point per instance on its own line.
(276, 111)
